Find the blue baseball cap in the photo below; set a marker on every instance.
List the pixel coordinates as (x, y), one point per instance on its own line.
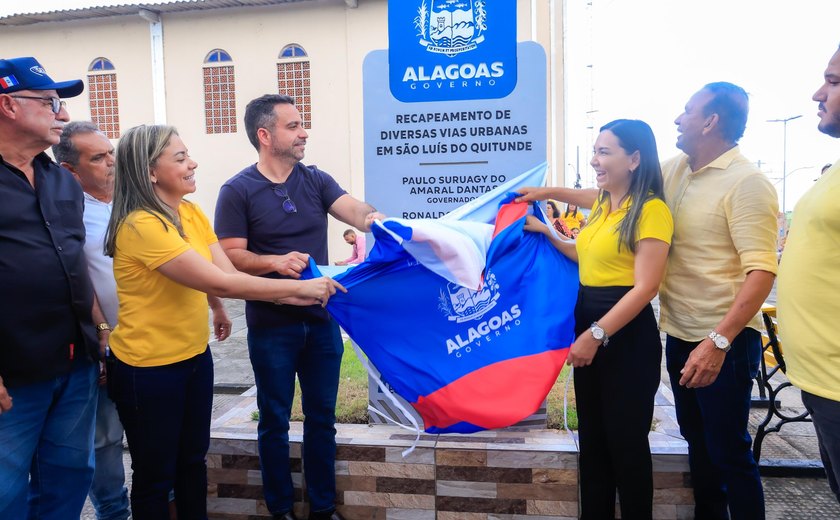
(27, 74)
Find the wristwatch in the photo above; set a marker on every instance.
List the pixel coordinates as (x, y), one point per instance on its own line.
(103, 326)
(720, 341)
(599, 333)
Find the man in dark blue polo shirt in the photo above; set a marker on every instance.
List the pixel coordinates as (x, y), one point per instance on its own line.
(48, 341)
(270, 218)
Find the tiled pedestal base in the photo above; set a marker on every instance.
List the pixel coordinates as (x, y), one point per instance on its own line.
(498, 475)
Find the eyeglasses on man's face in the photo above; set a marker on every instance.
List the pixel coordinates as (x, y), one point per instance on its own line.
(281, 191)
(54, 103)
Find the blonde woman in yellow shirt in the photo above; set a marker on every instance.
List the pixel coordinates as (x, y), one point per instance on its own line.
(621, 255)
(168, 266)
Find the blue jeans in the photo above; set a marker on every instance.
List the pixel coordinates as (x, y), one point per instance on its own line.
(826, 416)
(312, 351)
(108, 492)
(714, 420)
(166, 414)
(47, 446)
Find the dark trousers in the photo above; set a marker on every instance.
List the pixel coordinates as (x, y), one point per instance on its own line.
(615, 396)
(826, 416)
(166, 414)
(312, 352)
(713, 420)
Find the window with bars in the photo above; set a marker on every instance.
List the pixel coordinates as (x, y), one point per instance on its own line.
(103, 97)
(219, 93)
(293, 79)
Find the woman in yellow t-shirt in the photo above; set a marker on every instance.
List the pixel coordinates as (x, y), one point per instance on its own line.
(621, 255)
(574, 219)
(168, 266)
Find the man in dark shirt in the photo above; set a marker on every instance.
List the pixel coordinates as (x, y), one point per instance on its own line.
(270, 218)
(48, 341)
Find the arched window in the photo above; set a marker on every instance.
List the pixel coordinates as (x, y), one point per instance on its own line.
(219, 93)
(101, 64)
(217, 56)
(292, 50)
(102, 96)
(293, 79)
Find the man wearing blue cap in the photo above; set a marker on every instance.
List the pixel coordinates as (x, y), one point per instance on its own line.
(48, 336)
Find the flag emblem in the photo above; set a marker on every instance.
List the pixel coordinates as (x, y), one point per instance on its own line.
(8, 81)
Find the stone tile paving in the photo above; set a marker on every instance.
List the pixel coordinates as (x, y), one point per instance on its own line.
(799, 498)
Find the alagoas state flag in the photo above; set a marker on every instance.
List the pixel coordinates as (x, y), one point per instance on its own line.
(468, 321)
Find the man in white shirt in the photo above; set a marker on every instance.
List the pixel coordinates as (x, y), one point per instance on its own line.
(89, 155)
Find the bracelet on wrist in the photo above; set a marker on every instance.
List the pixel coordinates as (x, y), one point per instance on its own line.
(101, 327)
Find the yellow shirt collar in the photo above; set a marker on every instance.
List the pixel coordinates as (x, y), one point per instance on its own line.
(723, 161)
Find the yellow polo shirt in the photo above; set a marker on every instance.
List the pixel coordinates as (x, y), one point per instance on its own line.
(809, 290)
(573, 221)
(599, 260)
(724, 227)
(159, 322)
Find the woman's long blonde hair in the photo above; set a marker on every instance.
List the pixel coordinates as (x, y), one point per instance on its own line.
(138, 150)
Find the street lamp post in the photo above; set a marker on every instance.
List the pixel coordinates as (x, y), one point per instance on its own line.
(784, 155)
(577, 166)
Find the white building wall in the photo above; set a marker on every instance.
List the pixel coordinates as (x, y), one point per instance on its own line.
(337, 39)
(66, 50)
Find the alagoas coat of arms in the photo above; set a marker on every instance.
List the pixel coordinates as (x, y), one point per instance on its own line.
(451, 27)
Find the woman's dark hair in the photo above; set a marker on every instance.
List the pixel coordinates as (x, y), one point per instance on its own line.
(645, 182)
(568, 211)
(553, 212)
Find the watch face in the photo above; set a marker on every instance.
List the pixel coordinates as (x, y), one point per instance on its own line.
(598, 333)
(721, 343)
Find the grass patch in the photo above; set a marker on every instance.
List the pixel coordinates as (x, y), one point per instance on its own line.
(555, 402)
(352, 403)
(351, 407)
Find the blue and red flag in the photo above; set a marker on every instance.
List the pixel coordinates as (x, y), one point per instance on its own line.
(467, 321)
(8, 81)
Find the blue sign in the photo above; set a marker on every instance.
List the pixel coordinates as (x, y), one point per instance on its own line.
(425, 159)
(445, 50)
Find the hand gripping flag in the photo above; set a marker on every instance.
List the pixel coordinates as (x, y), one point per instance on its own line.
(468, 323)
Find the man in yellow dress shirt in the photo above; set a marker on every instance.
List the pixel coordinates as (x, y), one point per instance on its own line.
(809, 291)
(720, 270)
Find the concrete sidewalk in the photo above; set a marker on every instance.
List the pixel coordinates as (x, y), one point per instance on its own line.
(786, 498)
